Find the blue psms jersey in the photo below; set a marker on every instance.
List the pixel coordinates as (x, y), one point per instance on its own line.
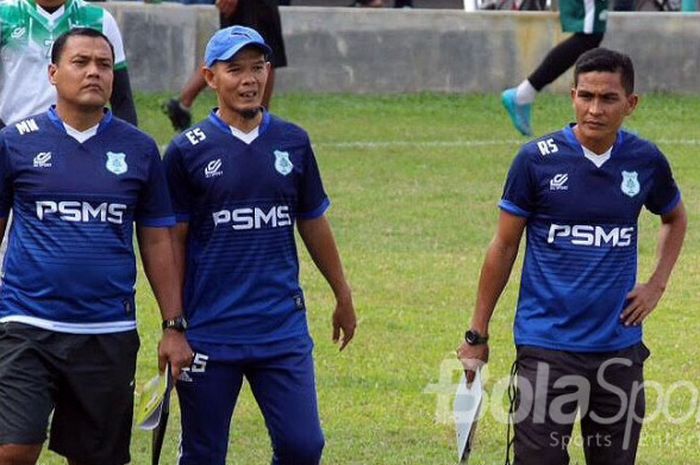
(70, 263)
(241, 202)
(581, 253)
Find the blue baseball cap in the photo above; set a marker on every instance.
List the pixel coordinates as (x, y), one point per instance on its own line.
(228, 41)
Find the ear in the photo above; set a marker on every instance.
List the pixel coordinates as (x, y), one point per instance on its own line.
(52, 73)
(209, 77)
(632, 102)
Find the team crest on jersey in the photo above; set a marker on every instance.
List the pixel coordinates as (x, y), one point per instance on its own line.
(282, 163)
(630, 183)
(116, 163)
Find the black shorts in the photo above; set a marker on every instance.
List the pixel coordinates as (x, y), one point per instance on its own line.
(86, 380)
(606, 389)
(264, 17)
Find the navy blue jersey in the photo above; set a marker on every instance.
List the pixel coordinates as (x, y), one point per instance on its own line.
(241, 202)
(581, 254)
(70, 262)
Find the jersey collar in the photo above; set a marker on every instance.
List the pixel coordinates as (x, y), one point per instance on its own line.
(58, 122)
(219, 123)
(49, 21)
(571, 137)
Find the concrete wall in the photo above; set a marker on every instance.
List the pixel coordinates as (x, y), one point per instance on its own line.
(367, 50)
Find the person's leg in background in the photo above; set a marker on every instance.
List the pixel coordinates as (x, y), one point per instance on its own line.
(577, 16)
(264, 17)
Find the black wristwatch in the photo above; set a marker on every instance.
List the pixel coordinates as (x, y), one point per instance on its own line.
(178, 324)
(473, 338)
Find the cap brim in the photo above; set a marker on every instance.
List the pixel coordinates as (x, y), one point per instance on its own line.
(231, 52)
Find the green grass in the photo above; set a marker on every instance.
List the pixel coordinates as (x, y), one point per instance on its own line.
(415, 181)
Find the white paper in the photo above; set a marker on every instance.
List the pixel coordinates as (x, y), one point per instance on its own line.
(467, 407)
(152, 421)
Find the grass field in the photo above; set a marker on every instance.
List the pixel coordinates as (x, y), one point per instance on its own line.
(415, 182)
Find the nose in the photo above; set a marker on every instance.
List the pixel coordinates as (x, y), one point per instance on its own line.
(93, 68)
(596, 107)
(249, 76)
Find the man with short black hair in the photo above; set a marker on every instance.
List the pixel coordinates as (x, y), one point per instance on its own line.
(76, 179)
(240, 181)
(578, 324)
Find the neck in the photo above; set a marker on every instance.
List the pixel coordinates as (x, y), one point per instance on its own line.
(597, 146)
(50, 9)
(239, 120)
(80, 119)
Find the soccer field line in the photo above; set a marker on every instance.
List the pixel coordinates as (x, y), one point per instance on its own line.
(373, 145)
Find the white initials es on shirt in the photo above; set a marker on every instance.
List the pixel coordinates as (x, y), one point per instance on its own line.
(195, 136)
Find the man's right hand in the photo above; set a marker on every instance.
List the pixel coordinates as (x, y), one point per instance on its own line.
(472, 357)
(173, 348)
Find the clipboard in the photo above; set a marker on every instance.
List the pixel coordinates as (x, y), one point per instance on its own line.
(467, 406)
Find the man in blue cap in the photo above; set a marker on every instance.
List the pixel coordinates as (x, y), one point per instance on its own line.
(240, 180)
(261, 15)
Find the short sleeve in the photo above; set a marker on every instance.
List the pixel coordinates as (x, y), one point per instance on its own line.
(664, 194)
(313, 201)
(178, 183)
(111, 30)
(154, 208)
(6, 188)
(519, 191)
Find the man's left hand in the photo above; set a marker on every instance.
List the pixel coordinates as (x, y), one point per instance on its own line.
(642, 300)
(345, 320)
(174, 348)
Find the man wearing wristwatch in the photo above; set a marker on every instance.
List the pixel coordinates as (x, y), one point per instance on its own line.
(579, 193)
(80, 182)
(241, 180)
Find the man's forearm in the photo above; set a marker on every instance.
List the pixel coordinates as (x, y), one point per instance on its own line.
(493, 279)
(318, 238)
(671, 237)
(159, 266)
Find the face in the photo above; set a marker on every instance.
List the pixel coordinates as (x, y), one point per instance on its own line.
(240, 83)
(83, 75)
(601, 105)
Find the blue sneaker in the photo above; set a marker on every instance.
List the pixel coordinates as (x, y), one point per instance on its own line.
(520, 115)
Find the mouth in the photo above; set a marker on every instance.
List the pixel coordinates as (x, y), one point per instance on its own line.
(249, 95)
(93, 87)
(595, 124)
